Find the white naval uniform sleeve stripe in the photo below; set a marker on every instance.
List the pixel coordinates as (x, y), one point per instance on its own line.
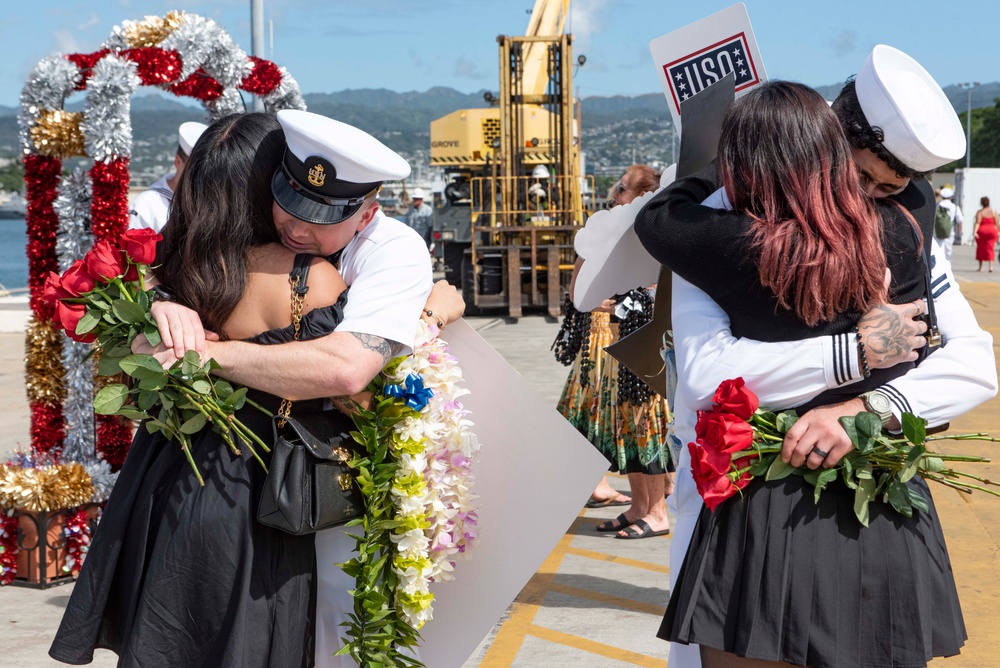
(782, 374)
(959, 375)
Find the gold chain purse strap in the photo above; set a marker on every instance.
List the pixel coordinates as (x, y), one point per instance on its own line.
(299, 289)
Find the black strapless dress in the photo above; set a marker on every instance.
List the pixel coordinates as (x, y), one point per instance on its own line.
(180, 575)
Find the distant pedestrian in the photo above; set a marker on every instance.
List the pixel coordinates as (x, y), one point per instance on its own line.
(152, 206)
(947, 217)
(420, 217)
(985, 233)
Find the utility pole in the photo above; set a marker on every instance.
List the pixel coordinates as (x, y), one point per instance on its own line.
(968, 86)
(257, 40)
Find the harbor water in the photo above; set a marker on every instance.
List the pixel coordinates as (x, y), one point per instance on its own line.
(13, 254)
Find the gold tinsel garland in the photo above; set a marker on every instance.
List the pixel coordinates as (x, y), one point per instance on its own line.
(46, 488)
(153, 29)
(57, 133)
(43, 372)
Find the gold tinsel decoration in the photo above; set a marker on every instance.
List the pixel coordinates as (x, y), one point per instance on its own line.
(57, 133)
(46, 488)
(43, 371)
(153, 29)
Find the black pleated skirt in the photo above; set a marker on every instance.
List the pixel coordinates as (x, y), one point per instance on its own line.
(774, 576)
(182, 575)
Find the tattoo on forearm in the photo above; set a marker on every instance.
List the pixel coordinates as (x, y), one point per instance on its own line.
(387, 349)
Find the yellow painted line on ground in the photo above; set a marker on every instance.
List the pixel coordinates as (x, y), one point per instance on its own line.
(511, 635)
(609, 599)
(593, 647)
(624, 561)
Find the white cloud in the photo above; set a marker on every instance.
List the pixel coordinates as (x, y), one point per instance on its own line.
(89, 23)
(66, 41)
(586, 17)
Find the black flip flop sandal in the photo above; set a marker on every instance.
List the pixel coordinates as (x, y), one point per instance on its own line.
(607, 525)
(632, 534)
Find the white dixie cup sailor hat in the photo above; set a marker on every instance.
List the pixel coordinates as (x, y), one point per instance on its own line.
(418, 193)
(330, 168)
(947, 193)
(897, 95)
(188, 134)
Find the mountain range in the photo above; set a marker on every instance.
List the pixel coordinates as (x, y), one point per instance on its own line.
(616, 129)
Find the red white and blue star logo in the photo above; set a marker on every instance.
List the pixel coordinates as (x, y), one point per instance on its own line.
(695, 72)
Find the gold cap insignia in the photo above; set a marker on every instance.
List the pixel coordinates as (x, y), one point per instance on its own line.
(317, 176)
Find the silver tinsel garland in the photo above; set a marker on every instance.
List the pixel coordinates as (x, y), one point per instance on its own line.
(231, 102)
(102, 478)
(286, 95)
(47, 87)
(107, 126)
(73, 241)
(201, 42)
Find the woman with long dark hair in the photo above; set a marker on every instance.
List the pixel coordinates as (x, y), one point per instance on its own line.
(181, 574)
(771, 576)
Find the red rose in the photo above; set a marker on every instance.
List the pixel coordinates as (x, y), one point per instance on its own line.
(67, 316)
(713, 487)
(733, 397)
(140, 245)
(104, 261)
(131, 275)
(76, 280)
(52, 290)
(723, 432)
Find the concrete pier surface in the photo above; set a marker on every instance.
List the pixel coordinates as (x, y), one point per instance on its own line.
(596, 601)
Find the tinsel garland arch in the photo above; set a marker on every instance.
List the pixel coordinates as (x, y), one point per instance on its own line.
(182, 53)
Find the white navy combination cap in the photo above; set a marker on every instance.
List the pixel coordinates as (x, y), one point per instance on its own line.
(188, 134)
(947, 193)
(897, 95)
(330, 168)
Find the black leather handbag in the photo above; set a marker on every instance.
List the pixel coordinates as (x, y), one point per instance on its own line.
(309, 485)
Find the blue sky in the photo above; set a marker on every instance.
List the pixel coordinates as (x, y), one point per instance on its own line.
(330, 45)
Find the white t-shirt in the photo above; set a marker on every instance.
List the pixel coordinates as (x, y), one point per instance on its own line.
(151, 207)
(386, 268)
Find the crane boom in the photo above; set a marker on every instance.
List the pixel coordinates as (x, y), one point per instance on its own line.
(547, 20)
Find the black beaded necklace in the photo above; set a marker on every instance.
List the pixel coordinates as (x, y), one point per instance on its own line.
(574, 339)
(632, 389)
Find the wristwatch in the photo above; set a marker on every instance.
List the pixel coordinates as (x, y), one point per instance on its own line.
(161, 294)
(878, 403)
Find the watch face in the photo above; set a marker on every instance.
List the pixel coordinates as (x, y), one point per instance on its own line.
(879, 403)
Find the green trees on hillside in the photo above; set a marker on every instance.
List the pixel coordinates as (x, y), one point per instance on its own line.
(985, 138)
(12, 177)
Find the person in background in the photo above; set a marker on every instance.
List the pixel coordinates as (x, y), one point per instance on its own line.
(152, 206)
(985, 233)
(948, 212)
(420, 218)
(631, 434)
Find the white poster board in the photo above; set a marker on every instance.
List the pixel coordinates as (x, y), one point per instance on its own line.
(694, 57)
(533, 475)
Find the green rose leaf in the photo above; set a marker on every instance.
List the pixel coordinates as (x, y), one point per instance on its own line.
(132, 414)
(933, 464)
(88, 322)
(110, 399)
(899, 498)
(914, 428)
(154, 383)
(869, 428)
(863, 495)
(917, 500)
(202, 387)
(141, 366)
(191, 363)
(152, 335)
(779, 469)
(129, 312)
(146, 399)
(848, 423)
(194, 424)
(785, 420)
(761, 465)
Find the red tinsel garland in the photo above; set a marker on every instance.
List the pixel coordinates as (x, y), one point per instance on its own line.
(86, 62)
(264, 77)
(41, 176)
(109, 206)
(8, 547)
(157, 67)
(77, 530)
(114, 436)
(199, 85)
(47, 429)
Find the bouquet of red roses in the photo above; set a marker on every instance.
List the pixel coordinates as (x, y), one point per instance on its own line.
(102, 299)
(738, 441)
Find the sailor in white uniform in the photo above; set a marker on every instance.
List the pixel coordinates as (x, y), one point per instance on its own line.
(151, 207)
(897, 95)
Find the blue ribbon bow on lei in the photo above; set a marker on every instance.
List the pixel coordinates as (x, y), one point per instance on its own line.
(413, 392)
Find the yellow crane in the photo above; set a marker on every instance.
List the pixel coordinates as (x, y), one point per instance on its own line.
(513, 202)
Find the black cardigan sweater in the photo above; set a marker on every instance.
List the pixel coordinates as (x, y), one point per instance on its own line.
(710, 248)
